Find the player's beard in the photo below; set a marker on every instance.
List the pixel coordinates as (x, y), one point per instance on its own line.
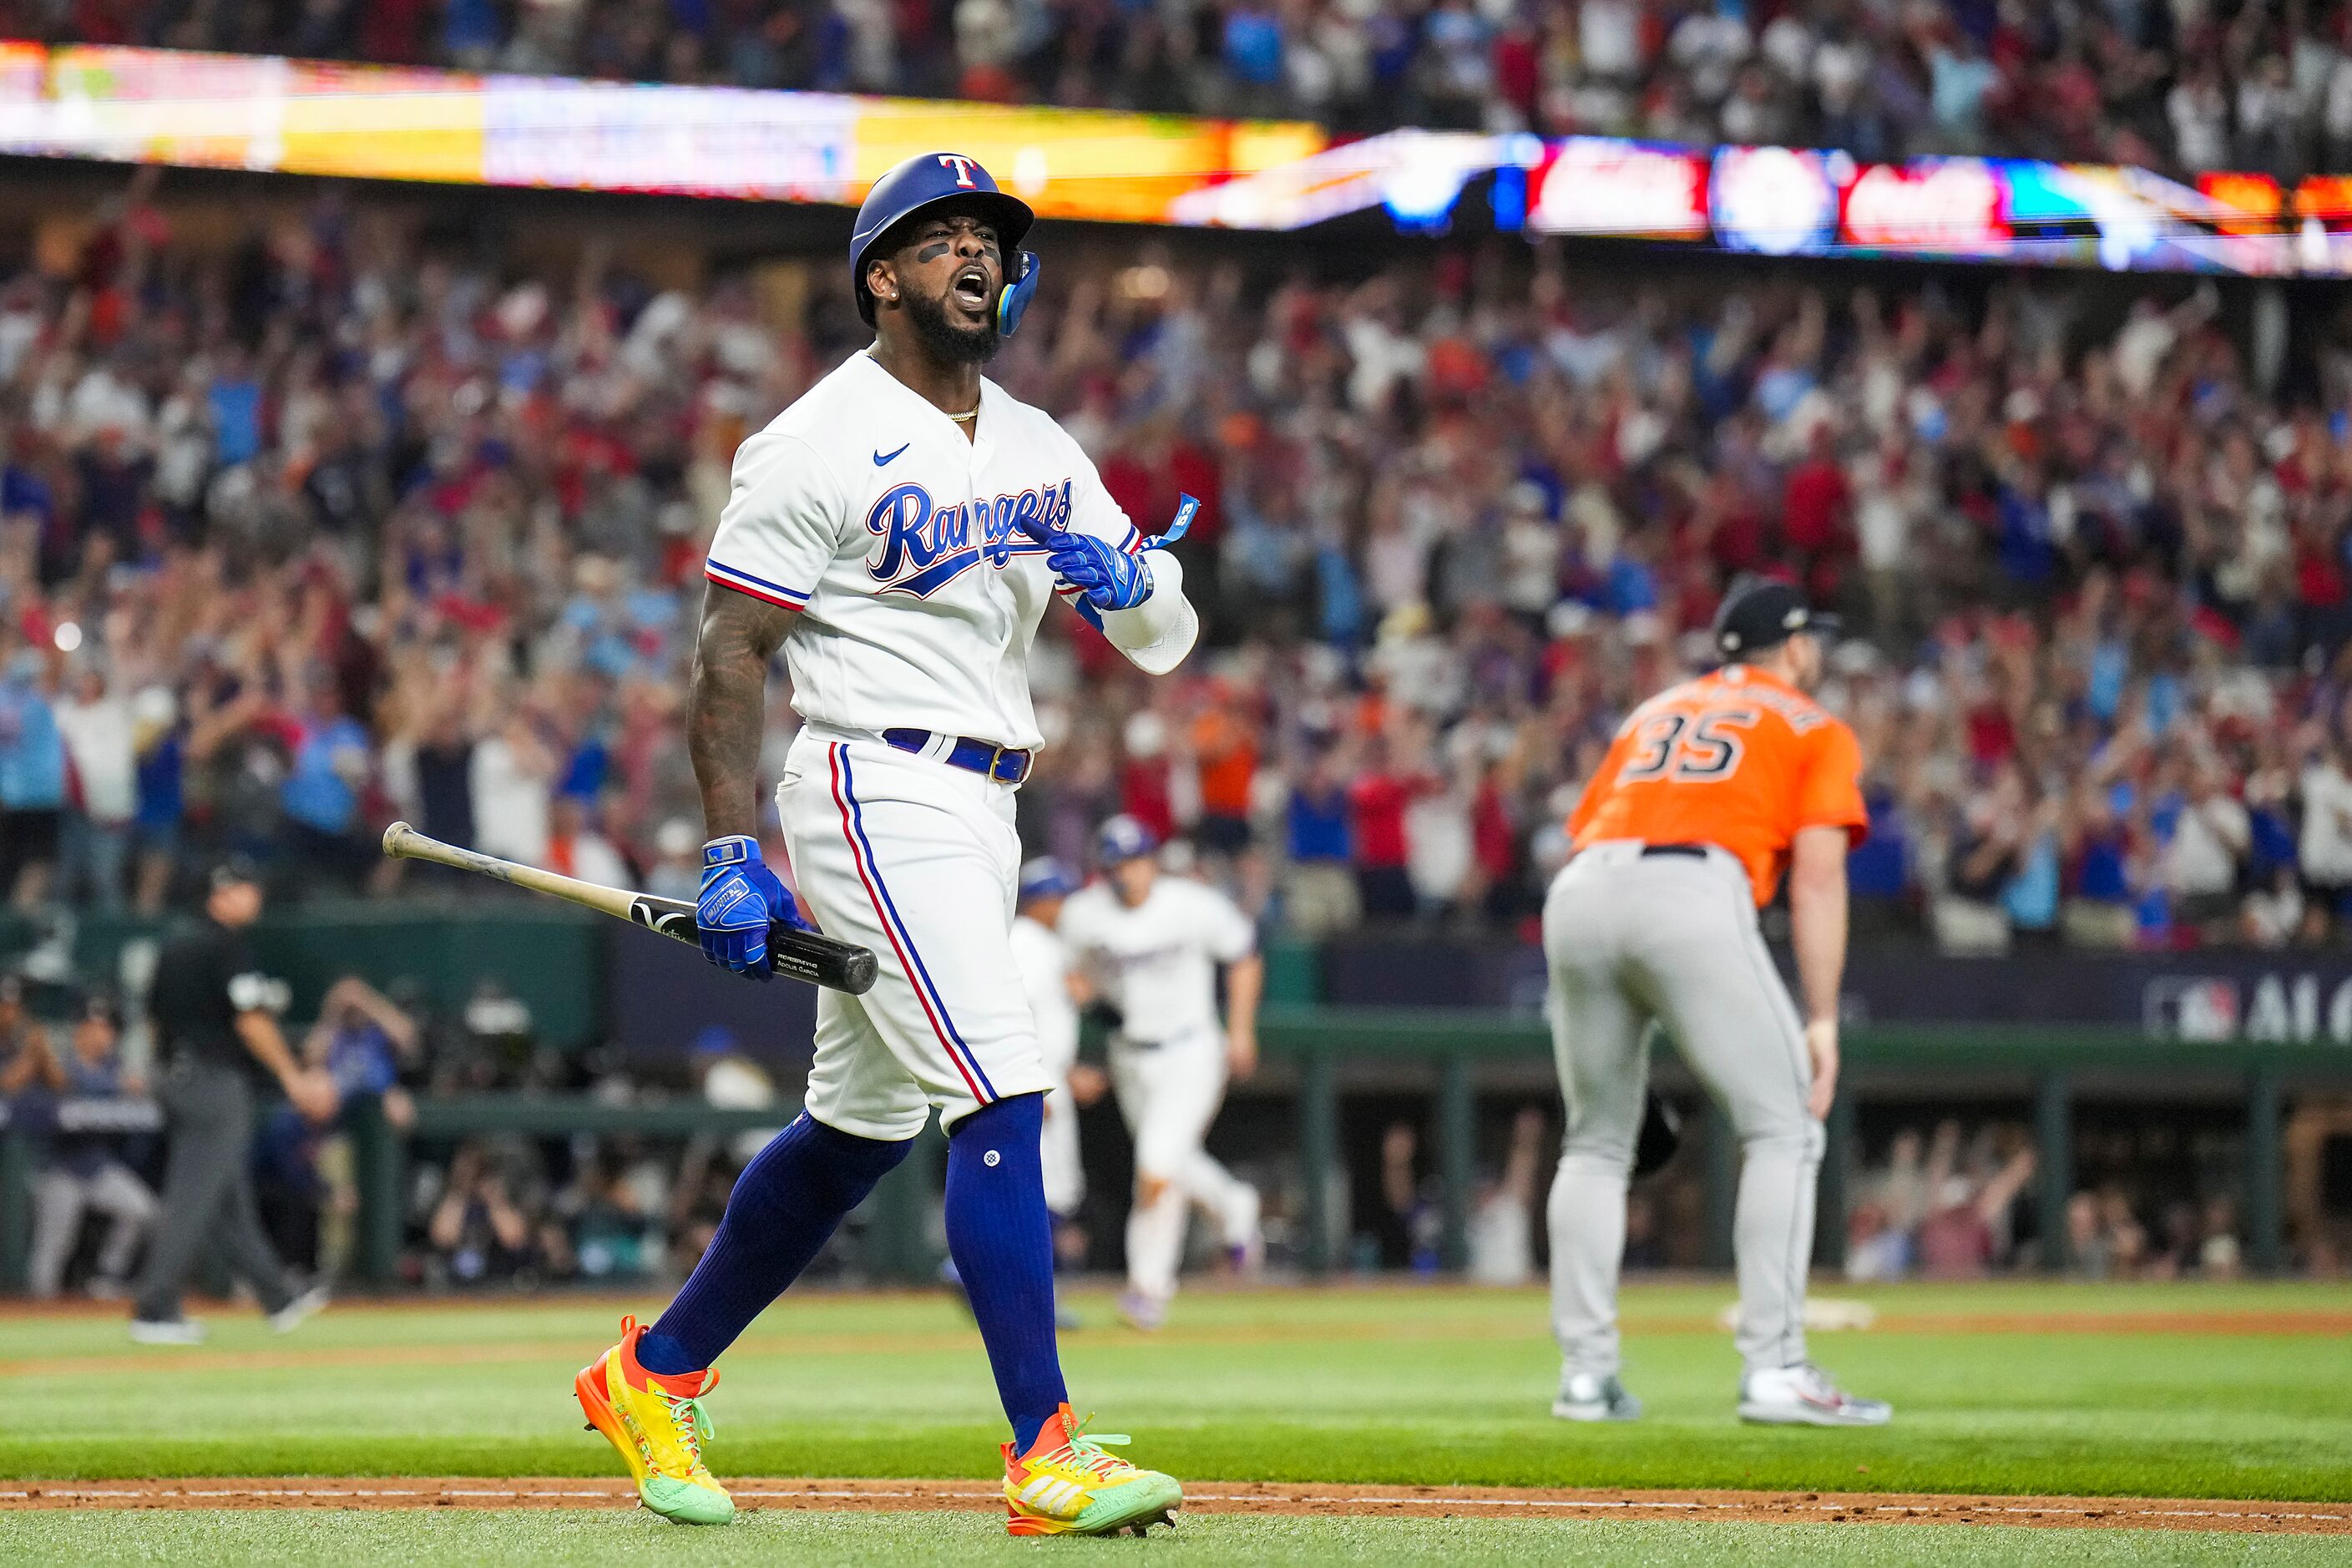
(946, 339)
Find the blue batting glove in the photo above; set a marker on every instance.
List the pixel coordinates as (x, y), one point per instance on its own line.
(1108, 576)
(740, 897)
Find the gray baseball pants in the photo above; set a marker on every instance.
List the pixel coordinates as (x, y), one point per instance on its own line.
(61, 1196)
(207, 1197)
(1630, 940)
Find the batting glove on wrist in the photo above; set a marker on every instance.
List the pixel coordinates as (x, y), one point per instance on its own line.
(740, 900)
(1108, 576)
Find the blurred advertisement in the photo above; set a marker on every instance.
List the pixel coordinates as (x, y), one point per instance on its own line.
(603, 136)
(374, 121)
(1595, 184)
(1417, 175)
(1932, 207)
(1776, 201)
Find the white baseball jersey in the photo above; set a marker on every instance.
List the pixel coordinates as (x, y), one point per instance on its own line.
(866, 507)
(1157, 961)
(1045, 965)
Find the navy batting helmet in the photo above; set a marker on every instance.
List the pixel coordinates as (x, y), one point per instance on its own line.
(1044, 877)
(1123, 838)
(934, 180)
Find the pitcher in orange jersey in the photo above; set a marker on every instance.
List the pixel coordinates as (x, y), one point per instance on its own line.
(1711, 792)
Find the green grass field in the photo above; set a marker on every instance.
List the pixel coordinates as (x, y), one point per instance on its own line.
(460, 1537)
(2025, 1389)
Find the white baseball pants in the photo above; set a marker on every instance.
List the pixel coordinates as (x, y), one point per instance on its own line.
(916, 860)
(1058, 1153)
(1167, 1095)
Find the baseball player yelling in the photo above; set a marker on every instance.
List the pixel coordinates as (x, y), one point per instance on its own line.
(1151, 946)
(1711, 792)
(898, 533)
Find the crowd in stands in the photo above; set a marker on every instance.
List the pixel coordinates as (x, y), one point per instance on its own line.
(339, 525)
(2175, 84)
(1960, 1206)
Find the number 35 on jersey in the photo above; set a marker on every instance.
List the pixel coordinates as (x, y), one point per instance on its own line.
(1737, 759)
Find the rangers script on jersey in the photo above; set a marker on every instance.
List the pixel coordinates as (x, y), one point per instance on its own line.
(902, 544)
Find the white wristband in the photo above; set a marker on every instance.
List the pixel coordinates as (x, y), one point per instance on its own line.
(1156, 634)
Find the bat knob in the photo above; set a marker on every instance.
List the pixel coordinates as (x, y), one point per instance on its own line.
(393, 835)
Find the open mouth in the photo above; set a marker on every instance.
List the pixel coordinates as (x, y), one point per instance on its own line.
(969, 288)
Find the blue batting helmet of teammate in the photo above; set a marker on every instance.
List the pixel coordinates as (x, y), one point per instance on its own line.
(930, 181)
(1122, 839)
(1046, 876)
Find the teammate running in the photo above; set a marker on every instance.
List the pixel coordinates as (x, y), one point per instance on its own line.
(1711, 791)
(1151, 946)
(1055, 989)
(898, 532)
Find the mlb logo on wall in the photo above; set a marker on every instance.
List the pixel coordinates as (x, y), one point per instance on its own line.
(2185, 1008)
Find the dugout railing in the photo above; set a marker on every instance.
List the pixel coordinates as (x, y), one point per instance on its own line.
(1317, 1057)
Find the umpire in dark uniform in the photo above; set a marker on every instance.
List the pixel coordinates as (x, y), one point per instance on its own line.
(216, 1032)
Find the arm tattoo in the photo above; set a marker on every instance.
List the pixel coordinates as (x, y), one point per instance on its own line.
(725, 707)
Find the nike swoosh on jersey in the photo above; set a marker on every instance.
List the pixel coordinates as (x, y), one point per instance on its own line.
(882, 460)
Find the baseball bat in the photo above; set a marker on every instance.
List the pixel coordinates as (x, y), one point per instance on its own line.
(796, 954)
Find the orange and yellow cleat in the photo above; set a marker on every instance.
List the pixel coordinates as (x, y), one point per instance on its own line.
(657, 1423)
(1066, 1484)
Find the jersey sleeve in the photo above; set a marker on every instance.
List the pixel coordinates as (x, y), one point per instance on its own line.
(782, 525)
(238, 986)
(1828, 794)
(1230, 936)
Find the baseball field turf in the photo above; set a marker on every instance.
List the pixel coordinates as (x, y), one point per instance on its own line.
(2137, 1392)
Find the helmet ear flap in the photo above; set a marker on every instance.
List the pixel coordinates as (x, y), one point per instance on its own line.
(1013, 301)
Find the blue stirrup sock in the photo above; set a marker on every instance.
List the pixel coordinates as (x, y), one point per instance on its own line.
(1002, 1239)
(787, 1201)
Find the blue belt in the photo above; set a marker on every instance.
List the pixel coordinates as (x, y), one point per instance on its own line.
(1006, 765)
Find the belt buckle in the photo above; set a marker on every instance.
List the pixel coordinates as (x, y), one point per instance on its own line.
(996, 756)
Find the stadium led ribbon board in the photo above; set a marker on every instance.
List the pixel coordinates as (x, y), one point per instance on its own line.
(238, 111)
(1790, 201)
(241, 112)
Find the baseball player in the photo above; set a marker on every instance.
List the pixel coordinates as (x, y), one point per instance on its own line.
(898, 533)
(1151, 946)
(1711, 792)
(1054, 991)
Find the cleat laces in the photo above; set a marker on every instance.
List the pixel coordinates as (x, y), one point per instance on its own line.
(691, 1420)
(694, 1427)
(1086, 1451)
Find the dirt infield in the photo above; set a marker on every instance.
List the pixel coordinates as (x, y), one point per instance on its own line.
(1226, 1496)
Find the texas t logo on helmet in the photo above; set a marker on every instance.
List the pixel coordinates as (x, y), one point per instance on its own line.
(925, 184)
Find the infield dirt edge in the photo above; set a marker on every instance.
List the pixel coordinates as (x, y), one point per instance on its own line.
(1221, 1497)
